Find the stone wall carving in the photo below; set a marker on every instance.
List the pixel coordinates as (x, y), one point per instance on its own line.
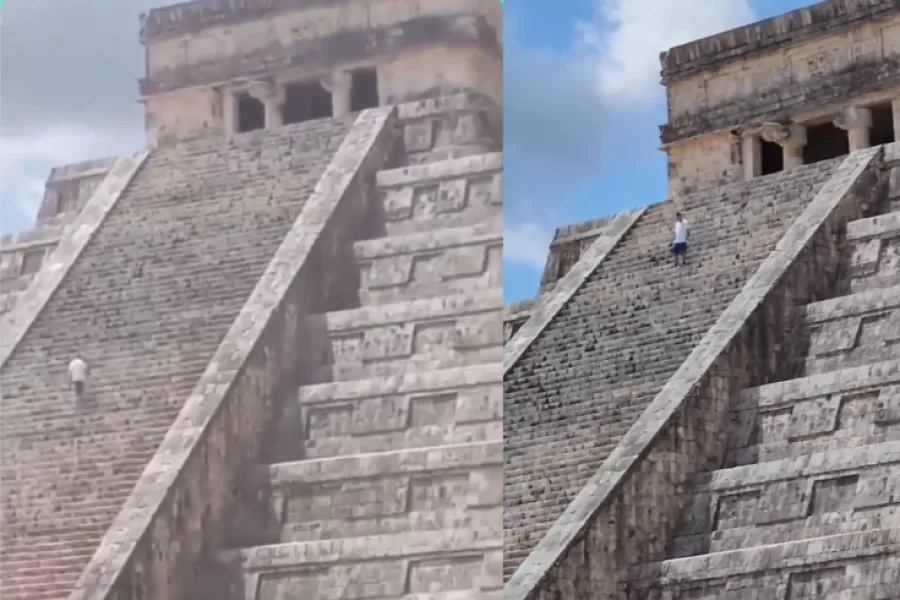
(194, 70)
(322, 55)
(799, 74)
(800, 26)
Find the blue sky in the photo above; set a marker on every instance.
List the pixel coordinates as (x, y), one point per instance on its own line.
(582, 106)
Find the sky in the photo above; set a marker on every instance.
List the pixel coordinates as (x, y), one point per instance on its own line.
(582, 104)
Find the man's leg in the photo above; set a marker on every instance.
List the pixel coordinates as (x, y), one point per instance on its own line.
(684, 254)
(678, 251)
(79, 389)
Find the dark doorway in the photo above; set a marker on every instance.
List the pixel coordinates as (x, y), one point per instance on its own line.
(772, 157)
(31, 262)
(364, 90)
(251, 113)
(824, 142)
(883, 124)
(305, 101)
(66, 198)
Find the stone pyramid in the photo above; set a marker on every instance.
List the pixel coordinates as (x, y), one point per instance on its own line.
(726, 430)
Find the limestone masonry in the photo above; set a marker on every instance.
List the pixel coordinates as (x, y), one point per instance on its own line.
(291, 306)
(729, 430)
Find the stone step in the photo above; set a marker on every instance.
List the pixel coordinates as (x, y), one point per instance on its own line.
(413, 410)
(394, 492)
(853, 330)
(452, 193)
(426, 265)
(852, 305)
(816, 413)
(819, 525)
(430, 334)
(387, 566)
(785, 493)
(879, 226)
(855, 566)
(147, 303)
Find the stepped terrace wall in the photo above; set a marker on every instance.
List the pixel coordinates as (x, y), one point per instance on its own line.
(147, 304)
(582, 382)
(630, 507)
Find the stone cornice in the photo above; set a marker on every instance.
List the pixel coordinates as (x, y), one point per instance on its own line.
(327, 53)
(784, 102)
(190, 17)
(764, 37)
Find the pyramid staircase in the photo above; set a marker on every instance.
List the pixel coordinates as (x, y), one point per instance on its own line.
(389, 483)
(807, 502)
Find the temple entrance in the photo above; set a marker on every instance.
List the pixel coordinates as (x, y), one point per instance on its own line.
(364, 90)
(305, 101)
(883, 124)
(251, 113)
(824, 142)
(772, 157)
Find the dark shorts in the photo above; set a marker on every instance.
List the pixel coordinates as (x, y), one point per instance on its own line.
(679, 249)
(79, 387)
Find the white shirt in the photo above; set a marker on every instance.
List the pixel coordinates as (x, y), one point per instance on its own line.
(681, 231)
(77, 370)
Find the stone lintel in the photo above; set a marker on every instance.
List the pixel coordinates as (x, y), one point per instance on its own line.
(328, 54)
(266, 91)
(764, 37)
(80, 170)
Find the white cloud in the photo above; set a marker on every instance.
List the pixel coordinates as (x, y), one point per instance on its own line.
(624, 39)
(26, 160)
(527, 243)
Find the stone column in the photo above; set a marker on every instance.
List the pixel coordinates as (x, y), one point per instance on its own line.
(895, 109)
(229, 111)
(857, 122)
(339, 84)
(791, 138)
(751, 155)
(272, 96)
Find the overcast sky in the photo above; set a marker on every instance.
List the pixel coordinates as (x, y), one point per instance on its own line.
(68, 91)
